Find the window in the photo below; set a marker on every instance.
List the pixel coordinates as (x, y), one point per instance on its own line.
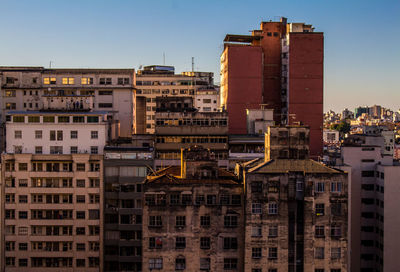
(256, 187)
(80, 262)
(80, 199)
(155, 264)
(78, 119)
(74, 150)
(80, 167)
(94, 262)
(319, 253)
(10, 246)
(86, 80)
(94, 150)
(273, 253)
(180, 242)
(180, 221)
(336, 187)
(80, 247)
(319, 209)
(80, 214)
(22, 166)
(367, 174)
(256, 208)
(18, 119)
(336, 209)
(38, 134)
(273, 231)
(49, 80)
(48, 119)
(22, 262)
(23, 183)
(319, 187)
(230, 221)
(94, 134)
(256, 253)
(17, 134)
(205, 242)
(122, 81)
(10, 93)
(74, 134)
(205, 221)
(68, 80)
(80, 231)
(94, 214)
(205, 263)
(256, 231)
(23, 199)
(105, 81)
(155, 221)
(211, 199)
(336, 231)
(180, 263)
(106, 92)
(33, 119)
(230, 243)
(11, 106)
(92, 119)
(94, 183)
(319, 231)
(105, 105)
(335, 253)
(23, 246)
(155, 243)
(230, 263)
(56, 149)
(272, 208)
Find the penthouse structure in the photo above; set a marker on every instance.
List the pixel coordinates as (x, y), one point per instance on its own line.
(193, 217)
(280, 66)
(158, 81)
(296, 208)
(33, 88)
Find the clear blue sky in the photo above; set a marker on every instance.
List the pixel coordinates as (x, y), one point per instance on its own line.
(362, 38)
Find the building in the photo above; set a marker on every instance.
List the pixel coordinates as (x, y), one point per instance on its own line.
(296, 208)
(111, 90)
(347, 114)
(193, 217)
(207, 100)
(331, 136)
(243, 148)
(258, 120)
(52, 187)
(360, 110)
(179, 125)
(158, 81)
(373, 203)
(125, 169)
(281, 66)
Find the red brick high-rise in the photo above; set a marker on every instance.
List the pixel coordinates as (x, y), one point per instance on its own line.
(281, 66)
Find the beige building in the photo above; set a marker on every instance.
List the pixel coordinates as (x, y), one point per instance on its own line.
(158, 81)
(296, 208)
(193, 217)
(33, 88)
(373, 203)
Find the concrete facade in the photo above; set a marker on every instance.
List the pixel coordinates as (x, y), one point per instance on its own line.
(160, 81)
(111, 90)
(193, 217)
(125, 169)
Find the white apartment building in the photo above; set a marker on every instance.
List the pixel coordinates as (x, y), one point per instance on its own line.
(207, 100)
(111, 90)
(374, 214)
(38, 132)
(52, 187)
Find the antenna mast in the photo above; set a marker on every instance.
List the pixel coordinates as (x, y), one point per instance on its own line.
(192, 64)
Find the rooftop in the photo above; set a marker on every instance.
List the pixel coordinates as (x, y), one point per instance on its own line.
(307, 166)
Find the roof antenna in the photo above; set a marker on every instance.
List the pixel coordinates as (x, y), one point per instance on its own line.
(192, 64)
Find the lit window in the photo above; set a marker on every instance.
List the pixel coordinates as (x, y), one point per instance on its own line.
(68, 80)
(86, 80)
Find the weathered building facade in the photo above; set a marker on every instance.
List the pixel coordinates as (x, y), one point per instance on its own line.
(193, 217)
(180, 125)
(296, 209)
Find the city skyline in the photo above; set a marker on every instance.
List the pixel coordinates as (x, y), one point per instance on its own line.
(130, 34)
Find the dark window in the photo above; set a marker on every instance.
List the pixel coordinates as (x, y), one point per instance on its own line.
(205, 221)
(205, 242)
(180, 242)
(230, 243)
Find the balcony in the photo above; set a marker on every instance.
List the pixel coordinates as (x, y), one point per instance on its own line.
(67, 102)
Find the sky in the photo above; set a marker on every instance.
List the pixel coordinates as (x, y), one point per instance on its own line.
(362, 38)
